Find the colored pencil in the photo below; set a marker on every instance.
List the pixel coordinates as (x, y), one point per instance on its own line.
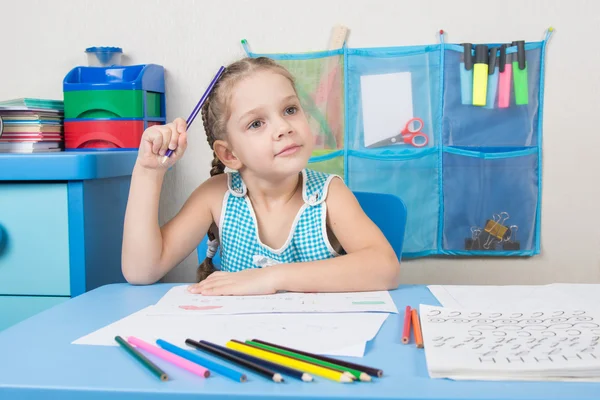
(369, 370)
(290, 353)
(291, 362)
(303, 376)
(195, 358)
(196, 109)
(210, 348)
(170, 357)
(142, 359)
(407, 318)
(417, 328)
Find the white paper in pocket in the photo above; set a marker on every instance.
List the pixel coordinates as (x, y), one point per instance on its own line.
(386, 105)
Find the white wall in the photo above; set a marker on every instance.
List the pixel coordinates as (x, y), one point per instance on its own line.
(43, 40)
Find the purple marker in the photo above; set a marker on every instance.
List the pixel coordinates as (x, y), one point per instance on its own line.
(198, 107)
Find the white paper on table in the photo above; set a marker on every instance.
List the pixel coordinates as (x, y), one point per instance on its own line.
(387, 105)
(552, 343)
(178, 301)
(330, 334)
(524, 297)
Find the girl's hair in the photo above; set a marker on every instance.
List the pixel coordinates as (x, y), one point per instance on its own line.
(215, 114)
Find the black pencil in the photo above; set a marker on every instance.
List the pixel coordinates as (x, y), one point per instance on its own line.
(368, 370)
(213, 349)
(303, 376)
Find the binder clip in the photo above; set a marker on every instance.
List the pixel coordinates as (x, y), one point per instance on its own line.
(512, 243)
(495, 231)
(474, 243)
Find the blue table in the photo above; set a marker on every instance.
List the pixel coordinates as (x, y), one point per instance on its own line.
(37, 361)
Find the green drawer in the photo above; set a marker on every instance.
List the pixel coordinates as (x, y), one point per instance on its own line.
(111, 104)
(15, 309)
(34, 244)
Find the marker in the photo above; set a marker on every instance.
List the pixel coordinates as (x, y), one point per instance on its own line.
(520, 74)
(504, 77)
(492, 88)
(480, 75)
(466, 74)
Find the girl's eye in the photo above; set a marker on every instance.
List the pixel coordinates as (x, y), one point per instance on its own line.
(291, 110)
(255, 125)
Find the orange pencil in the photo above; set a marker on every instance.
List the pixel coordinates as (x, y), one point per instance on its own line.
(417, 328)
(406, 333)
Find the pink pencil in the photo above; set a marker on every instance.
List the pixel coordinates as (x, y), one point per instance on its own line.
(170, 357)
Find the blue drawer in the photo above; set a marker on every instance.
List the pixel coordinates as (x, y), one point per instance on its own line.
(15, 309)
(34, 246)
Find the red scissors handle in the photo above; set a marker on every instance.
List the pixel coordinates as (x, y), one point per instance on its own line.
(411, 134)
(417, 140)
(414, 125)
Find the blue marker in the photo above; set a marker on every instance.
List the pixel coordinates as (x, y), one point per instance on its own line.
(492, 88)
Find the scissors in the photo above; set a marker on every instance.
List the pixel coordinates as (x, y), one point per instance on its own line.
(411, 134)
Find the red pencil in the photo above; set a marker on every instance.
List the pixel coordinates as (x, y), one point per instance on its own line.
(407, 319)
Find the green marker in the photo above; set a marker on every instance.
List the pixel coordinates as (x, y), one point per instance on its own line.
(520, 74)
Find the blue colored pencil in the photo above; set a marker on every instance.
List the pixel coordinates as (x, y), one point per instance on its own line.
(195, 358)
(198, 107)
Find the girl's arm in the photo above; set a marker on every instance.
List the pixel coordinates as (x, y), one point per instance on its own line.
(149, 251)
(370, 262)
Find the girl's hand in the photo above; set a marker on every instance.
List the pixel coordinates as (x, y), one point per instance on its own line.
(157, 139)
(247, 282)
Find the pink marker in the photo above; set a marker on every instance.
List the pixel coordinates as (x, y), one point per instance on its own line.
(170, 357)
(504, 78)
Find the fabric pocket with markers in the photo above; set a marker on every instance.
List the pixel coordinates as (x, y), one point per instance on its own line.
(491, 95)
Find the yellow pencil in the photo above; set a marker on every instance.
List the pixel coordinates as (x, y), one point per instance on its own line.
(290, 362)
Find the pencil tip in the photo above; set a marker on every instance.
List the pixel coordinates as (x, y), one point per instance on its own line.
(348, 375)
(345, 379)
(364, 377)
(307, 378)
(277, 378)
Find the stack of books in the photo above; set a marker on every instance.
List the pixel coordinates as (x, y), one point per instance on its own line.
(31, 125)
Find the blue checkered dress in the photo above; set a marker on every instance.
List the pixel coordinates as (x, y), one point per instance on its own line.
(240, 244)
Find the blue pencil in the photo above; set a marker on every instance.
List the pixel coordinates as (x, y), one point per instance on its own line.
(193, 357)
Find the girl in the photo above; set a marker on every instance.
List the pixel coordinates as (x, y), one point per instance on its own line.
(278, 224)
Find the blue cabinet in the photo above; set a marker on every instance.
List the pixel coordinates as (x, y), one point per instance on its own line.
(61, 226)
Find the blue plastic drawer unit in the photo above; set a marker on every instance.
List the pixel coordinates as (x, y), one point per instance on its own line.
(61, 227)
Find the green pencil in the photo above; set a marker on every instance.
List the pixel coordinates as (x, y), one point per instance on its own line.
(142, 359)
(357, 374)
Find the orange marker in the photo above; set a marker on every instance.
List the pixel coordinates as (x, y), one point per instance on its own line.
(406, 333)
(417, 328)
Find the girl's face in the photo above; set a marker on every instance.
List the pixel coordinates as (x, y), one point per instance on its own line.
(267, 129)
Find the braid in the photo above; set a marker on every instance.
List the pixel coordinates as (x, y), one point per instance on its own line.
(217, 167)
(214, 114)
